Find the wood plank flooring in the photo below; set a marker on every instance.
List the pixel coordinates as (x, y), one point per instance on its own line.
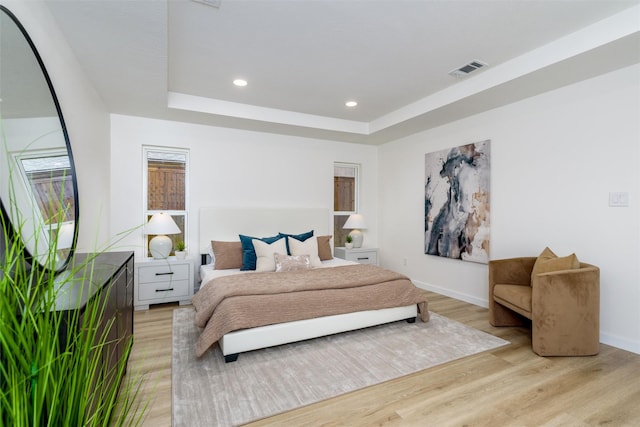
(509, 386)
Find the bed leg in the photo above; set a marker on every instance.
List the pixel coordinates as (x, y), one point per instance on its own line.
(231, 358)
(411, 320)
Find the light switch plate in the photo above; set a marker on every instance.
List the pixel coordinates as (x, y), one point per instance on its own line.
(619, 199)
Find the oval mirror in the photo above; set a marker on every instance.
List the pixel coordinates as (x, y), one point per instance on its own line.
(38, 187)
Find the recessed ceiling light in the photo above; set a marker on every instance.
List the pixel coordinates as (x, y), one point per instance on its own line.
(240, 82)
(351, 104)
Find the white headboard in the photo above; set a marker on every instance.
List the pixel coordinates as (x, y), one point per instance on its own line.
(226, 223)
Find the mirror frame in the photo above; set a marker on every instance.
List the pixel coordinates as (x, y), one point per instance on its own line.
(8, 222)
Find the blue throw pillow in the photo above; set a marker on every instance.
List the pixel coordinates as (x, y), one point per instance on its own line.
(249, 257)
(302, 237)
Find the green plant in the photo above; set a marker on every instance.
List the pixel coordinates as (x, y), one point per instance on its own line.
(348, 239)
(49, 377)
(180, 246)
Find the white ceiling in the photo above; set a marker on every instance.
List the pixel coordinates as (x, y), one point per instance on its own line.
(304, 58)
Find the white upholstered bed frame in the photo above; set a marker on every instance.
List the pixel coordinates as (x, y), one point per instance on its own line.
(226, 223)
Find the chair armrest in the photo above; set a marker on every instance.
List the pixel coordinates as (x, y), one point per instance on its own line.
(579, 286)
(565, 312)
(511, 271)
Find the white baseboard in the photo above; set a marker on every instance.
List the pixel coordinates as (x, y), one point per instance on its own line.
(618, 342)
(453, 294)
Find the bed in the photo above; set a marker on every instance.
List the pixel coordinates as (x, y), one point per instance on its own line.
(249, 310)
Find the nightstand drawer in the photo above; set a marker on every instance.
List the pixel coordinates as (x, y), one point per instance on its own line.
(359, 255)
(161, 290)
(163, 273)
(370, 257)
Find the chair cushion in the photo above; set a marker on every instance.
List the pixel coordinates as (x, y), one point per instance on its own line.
(547, 262)
(515, 297)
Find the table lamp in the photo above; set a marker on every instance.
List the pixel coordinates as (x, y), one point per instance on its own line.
(355, 222)
(160, 225)
(64, 240)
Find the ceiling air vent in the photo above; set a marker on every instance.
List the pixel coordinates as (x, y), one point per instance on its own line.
(467, 68)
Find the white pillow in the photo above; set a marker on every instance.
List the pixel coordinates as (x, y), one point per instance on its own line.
(212, 256)
(308, 247)
(265, 253)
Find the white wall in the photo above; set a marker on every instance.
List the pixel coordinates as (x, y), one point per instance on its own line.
(86, 118)
(233, 168)
(555, 158)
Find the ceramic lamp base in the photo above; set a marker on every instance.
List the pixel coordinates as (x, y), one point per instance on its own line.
(357, 237)
(160, 247)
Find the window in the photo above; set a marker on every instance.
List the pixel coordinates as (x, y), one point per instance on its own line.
(48, 175)
(50, 178)
(345, 198)
(165, 187)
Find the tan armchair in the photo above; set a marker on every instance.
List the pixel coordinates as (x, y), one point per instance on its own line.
(563, 306)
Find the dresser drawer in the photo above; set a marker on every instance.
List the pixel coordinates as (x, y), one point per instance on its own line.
(163, 290)
(163, 273)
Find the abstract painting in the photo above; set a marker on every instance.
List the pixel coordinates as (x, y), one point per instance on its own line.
(457, 202)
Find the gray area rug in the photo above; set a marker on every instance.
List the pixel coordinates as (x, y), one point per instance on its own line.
(208, 392)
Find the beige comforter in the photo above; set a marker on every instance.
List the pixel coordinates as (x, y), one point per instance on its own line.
(243, 301)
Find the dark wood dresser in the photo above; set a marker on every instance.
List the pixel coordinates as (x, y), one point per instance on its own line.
(107, 276)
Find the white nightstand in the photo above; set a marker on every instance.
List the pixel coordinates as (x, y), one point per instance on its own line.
(163, 280)
(361, 255)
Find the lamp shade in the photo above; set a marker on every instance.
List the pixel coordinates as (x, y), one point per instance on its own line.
(161, 223)
(355, 221)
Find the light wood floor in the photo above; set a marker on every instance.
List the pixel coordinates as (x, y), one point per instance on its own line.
(509, 386)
